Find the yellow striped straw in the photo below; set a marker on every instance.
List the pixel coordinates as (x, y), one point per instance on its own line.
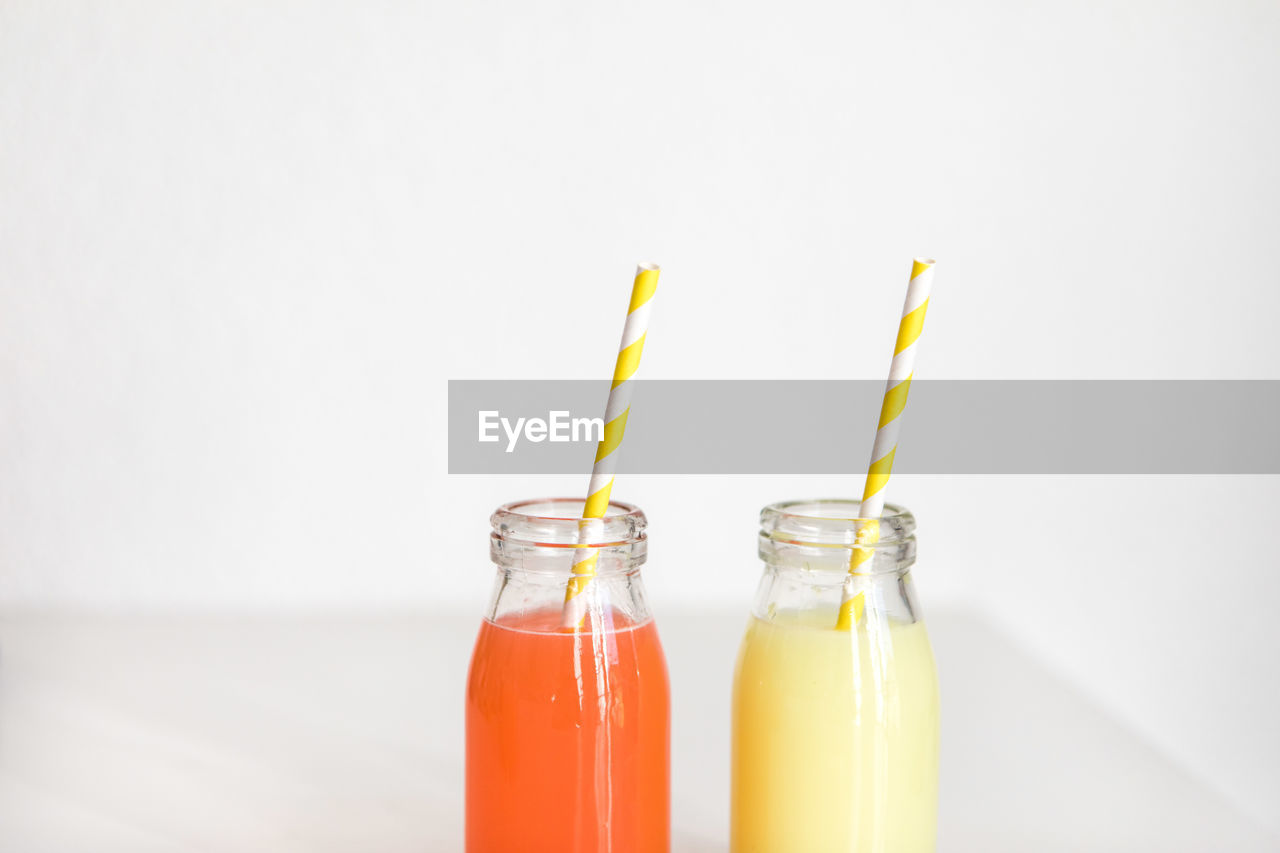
(615, 424)
(852, 601)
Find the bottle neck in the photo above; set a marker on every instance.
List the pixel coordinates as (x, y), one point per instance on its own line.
(814, 550)
(539, 546)
(812, 594)
(533, 600)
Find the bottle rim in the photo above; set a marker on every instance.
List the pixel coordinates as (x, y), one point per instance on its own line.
(832, 523)
(558, 523)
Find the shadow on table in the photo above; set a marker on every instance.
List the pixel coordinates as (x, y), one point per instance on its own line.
(1031, 762)
(693, 844)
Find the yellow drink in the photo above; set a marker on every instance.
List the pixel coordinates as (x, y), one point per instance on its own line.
(835, 737)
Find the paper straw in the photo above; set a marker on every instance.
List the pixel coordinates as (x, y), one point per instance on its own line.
(615, 424)
(896, 389)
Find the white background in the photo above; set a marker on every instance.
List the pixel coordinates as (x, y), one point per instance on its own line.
(242, 250)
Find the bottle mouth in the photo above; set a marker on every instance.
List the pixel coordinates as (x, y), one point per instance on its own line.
(832, 523)
(558, 523)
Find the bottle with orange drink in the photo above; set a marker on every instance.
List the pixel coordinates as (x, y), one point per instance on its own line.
(567, 728)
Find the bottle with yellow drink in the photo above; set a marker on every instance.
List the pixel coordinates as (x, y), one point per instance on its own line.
(835, 729)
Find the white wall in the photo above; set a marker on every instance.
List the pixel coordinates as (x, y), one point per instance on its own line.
(242, 251)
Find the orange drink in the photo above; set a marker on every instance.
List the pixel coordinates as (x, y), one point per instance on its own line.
(558, 761)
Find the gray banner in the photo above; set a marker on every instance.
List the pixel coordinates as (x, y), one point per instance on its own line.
(826, 427)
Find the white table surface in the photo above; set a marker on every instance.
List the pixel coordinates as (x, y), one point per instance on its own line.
(344, 733)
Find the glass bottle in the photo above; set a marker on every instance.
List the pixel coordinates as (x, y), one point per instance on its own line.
(568, 733)
(835, 732)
